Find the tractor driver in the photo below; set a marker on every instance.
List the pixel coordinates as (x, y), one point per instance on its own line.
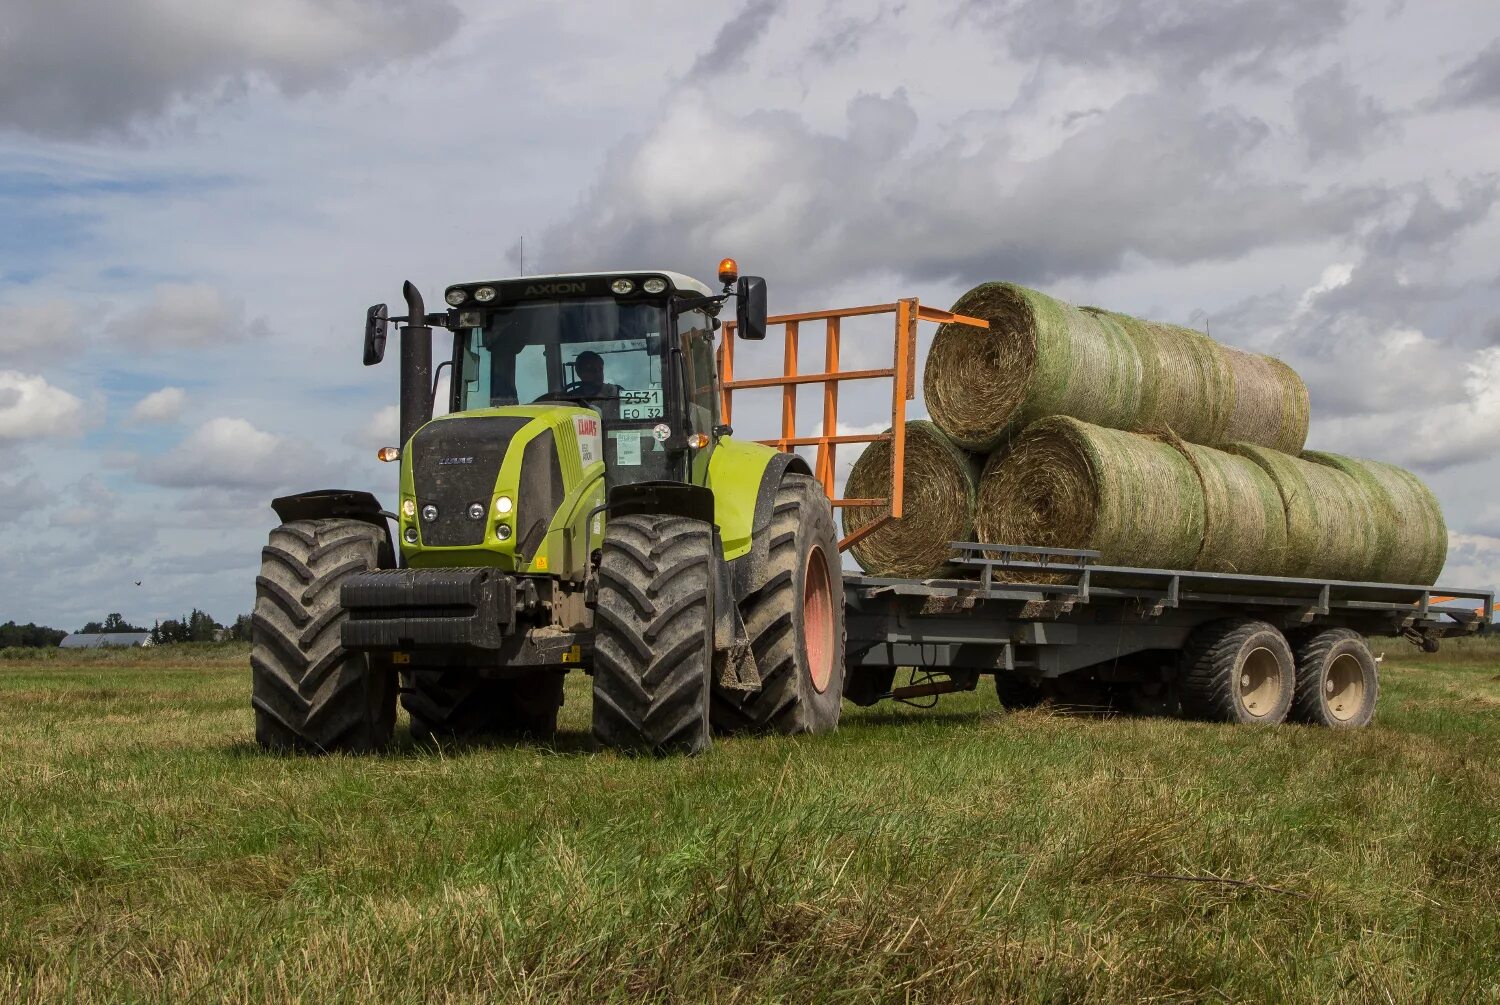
(588, 369)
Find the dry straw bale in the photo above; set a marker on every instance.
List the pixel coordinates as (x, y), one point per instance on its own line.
(1411, 539)
(1244, 522)
(1069, 484)
(1333, 527)
(1269, 406)
(937, 506)
(1043, 357)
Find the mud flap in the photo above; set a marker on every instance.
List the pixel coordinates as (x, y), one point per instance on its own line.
(734, 660)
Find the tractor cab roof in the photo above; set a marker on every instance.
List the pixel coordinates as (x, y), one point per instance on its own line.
(570, 284)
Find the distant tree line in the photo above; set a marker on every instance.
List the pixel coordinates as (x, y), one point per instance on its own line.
(195, 627)
(39, 636)
(199, 627)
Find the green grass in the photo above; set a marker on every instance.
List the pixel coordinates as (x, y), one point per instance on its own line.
(149, 852)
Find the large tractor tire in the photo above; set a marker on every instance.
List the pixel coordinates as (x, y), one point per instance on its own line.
(654, 634)
(458, 704)
(1237, 670)
(794, 616)
(1337, 680)
(309, 693)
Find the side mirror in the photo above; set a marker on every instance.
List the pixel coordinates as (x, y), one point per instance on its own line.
(377, 319)
(750, 308)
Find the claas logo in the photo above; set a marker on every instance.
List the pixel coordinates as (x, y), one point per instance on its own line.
(588, 427)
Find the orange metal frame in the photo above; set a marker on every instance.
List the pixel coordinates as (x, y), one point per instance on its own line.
(902, 373)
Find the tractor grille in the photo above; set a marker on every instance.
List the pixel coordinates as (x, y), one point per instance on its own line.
(455, 463)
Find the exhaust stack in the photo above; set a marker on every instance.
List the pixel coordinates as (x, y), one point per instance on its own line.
(416, 365)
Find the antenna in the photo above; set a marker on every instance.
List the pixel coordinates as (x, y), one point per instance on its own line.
(522, 264)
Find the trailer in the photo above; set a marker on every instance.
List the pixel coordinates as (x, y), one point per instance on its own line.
(1054, 625)
(1212, 645)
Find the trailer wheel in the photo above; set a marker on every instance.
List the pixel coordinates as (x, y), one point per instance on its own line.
(457, 704)
(865, 685)
(653, 634)
(1237, 671)
(1337, 680)
(308, 691)
(1017, 692)
(794, 616)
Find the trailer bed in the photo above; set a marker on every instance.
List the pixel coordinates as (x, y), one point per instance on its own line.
(1049, 612)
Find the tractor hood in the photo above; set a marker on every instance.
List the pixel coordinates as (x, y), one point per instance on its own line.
(485, 487)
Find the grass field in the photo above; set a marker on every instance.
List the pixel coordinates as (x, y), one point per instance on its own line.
(149, 852)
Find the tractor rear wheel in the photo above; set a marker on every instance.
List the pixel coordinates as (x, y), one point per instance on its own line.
(1337, 680)
(654, 634)
(1237, 670)
(794, 616)
(458, 704)
(308, 691)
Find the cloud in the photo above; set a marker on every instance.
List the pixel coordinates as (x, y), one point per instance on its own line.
(73, 69)
(1477, 82)
(736, 38)
(31, 408)
(21, 496)
(1154, 176)
(34, 332)
(1173, 37)
(160, 406)
(1334, 118)
(1473, 561)
(185, 316)
(232, 454)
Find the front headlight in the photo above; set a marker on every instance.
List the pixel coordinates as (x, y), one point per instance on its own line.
(484, 294)
(622, 286)
(456, 297)
(654, 285)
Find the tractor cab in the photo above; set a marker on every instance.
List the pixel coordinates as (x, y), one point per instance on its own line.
(637, 349)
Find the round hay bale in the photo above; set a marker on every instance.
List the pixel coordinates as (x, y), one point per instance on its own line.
(1069, 484)
(1039, 357)
(1187, 388)
(1269, 405)
(1331, 526)
(1043, 357)
(941, 485)
(1411, 538)
(1244, 521)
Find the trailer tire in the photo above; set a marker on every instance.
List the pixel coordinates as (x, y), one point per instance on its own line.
(309, 692)
(1237, 670)
(1338, 682)
(865, 686)
(654, 634)
(794, 615)
(458, 704)
(1017, 692)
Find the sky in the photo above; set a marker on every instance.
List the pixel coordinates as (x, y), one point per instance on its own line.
(199, 198)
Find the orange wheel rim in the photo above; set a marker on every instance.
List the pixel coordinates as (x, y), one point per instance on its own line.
(817, 620)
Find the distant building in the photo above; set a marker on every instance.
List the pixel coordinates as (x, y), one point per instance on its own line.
(98, 640)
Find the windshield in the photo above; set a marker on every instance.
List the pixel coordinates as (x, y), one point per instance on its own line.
(596, 349)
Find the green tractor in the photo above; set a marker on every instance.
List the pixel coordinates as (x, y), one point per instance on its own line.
(580, 507)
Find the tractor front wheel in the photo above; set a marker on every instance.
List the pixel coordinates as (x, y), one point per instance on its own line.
(654, 634)
(794, 615)
(308, 691)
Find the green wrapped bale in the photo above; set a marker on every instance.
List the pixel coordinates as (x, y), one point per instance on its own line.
(1043, 357)
(1070, 484)
(938, 505)
(1269, 406)
(1411, 537)
(1333, 527)
(1244, 522)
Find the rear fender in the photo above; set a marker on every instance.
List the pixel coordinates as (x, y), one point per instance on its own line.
(346, 504)
(747, 570)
